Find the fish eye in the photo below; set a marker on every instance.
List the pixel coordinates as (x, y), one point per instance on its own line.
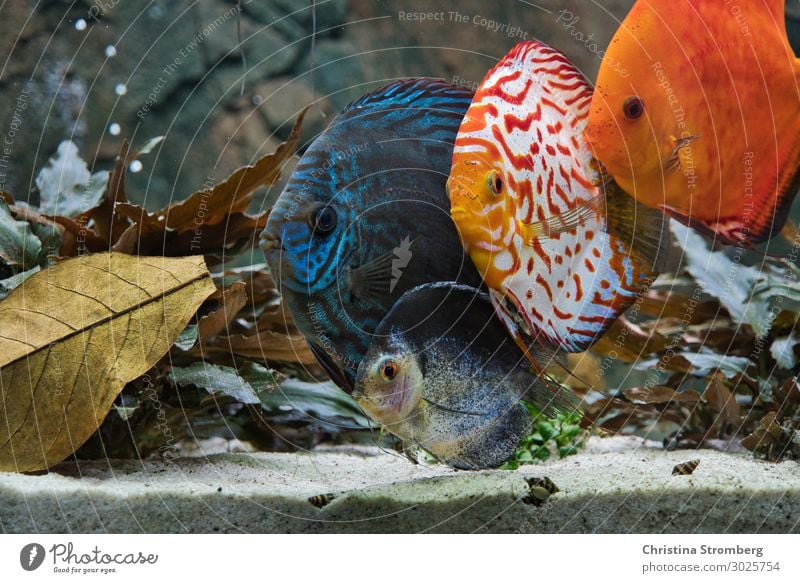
(323, 220)
(389, 369)
(633, 108)
(496, 184)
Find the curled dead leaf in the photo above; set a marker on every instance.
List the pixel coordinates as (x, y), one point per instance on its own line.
(234, 193)
(74, 334)
(265, 346)
(211, 222)
(767, 433)
(721, 400)
(232, 299)
(106, 223)
(664, 304)
(788, 393)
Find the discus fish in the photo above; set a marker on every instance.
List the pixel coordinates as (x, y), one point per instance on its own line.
(365, 217)
(563, 252)
(705, 121)
(443, 375)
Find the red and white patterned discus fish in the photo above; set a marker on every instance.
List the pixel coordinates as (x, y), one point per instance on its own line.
(563, 253)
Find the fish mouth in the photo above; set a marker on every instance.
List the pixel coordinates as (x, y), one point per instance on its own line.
(388, 408)
(278, 260)
(459, 214)
(469, 225)
(401, 397)
(270, 242)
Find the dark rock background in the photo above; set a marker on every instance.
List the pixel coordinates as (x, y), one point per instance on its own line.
(174, 68)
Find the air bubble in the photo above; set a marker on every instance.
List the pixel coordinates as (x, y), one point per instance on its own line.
(80, 24)
(114, 129)
(135, 166)
(111, 51)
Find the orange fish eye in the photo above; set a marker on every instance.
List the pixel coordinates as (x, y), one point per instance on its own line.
(496, 184)
(633, 108)
(389, 369)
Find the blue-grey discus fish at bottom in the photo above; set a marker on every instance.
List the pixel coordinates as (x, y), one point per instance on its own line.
(443, 375)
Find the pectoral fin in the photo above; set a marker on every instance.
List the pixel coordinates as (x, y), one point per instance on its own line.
(543, 392)
(674, 161)
(377, 278)
(563, 223)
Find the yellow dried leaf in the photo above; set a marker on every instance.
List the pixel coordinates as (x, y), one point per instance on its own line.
(74, 334)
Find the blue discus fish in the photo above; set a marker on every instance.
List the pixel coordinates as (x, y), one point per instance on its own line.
(365, 217)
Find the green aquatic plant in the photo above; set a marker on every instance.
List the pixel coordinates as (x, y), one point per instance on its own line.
(561, 435)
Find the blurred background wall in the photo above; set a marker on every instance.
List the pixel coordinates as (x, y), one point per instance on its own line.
(100, 71)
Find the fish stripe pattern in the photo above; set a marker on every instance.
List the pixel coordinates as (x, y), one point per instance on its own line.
(527, 119)
(381, 168)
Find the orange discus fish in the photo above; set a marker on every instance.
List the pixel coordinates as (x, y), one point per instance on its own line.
(700, 114)
(555, 246)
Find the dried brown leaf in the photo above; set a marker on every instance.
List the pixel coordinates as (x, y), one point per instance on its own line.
(263, 346)
(106, 223)
(211, 222)
(721, 400)
(788, 393)
(129, 241)
(30, 215)
(262, 287)
(77, 236)
(765, 434)
(233, 299)
(217, 240)
(673, 304)
(629, 342)
(74, 334)
(234, 193)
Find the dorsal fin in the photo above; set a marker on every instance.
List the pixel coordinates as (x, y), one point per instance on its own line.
(422, 92)
(554, 70)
